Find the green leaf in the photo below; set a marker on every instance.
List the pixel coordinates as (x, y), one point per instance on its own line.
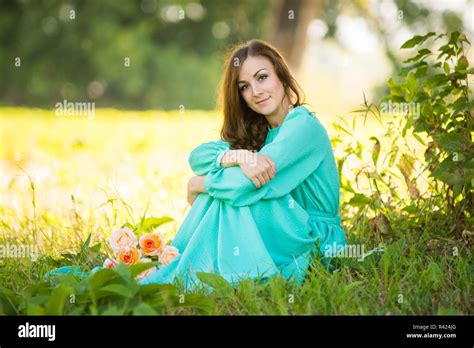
(417, 137)
(101, 277)
(416, 40)
(95, 248)
(393, 156)
(418, 65)
(144, 309)
(448, 173)
(462, 38)
(113, 310)
(395, 90)
(57, 300)
(412, 209)
(454, 37)
(423, 53)
(118, 289)
(124, 271)
(462, 65)
(350, 287)
(446, 67)
(220, 285)
(151, 223)
(9, 302)
(406, 165)
(412, 86)
(360, 200)
(421, 72)
(435, 273)
(340, 128)
(197, 301)
(435, 80)
(451, 142)
(86, 243)
(141, 267)
(152, 289)
(446, 50)
(35, 310)
(461, 104)
(375, 150)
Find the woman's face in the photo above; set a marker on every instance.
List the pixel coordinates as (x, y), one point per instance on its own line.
(259, 85)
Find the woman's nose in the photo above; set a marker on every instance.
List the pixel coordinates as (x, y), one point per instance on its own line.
(256, 90)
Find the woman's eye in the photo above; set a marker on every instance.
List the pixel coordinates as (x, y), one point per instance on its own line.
(243, 87)
(263, 77)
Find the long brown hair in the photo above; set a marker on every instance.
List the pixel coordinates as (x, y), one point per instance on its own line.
(244, 128)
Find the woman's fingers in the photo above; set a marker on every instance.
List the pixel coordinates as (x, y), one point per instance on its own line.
(262, 173)
(262, 179)
(270, 170)
(272, 165)
(256, 181)
(266, 177)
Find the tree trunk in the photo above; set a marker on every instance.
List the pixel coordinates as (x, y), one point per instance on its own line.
(288, 33)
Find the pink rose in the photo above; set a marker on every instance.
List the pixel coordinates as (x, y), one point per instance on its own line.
(123, 238)
(129, 256)
(151, 244)
(169, 254)
(108, 263)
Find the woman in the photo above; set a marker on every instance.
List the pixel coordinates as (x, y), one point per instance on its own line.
(265, 197)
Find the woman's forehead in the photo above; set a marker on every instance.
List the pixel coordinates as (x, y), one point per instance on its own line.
(253, 64)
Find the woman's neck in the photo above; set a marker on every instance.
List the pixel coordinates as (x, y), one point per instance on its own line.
(276, 119)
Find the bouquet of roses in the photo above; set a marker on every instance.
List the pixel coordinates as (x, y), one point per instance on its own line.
(131, 250)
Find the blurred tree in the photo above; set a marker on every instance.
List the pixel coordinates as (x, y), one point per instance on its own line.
(289, 31)
(164, 53)
(292, 18)
(128, 54)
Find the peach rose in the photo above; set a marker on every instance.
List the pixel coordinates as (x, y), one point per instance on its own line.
(123, 238)
(130, 256)
(169, 254)
(146, 272)
(108, 263)
(151, 244)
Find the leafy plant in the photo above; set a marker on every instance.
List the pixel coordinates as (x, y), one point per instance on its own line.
(88, 256)
(105, 292)
(434, 98)
(440, 90)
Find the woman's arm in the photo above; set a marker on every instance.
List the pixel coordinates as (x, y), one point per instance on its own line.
(208, 156)
(232, 158)
(298, 150)
(195, 187)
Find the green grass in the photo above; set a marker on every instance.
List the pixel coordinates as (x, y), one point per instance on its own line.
(409, 278)
(426, 268)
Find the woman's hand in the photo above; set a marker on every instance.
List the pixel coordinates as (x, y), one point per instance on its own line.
(195, 186)
(234, 157)
(260, 169)
(257, 167)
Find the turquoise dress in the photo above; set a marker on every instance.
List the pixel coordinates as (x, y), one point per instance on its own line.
(239, 231)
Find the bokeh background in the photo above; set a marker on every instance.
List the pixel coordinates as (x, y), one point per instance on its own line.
(76, 50)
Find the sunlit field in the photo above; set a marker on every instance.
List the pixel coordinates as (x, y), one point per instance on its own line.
(64, 178)
(107, 169)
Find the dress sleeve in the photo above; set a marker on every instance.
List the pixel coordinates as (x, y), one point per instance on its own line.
(207, 156)
(299, 148)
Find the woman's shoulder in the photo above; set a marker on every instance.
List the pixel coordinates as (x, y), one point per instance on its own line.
(303, 117)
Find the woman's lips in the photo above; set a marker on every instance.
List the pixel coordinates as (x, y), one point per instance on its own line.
(262, 101)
